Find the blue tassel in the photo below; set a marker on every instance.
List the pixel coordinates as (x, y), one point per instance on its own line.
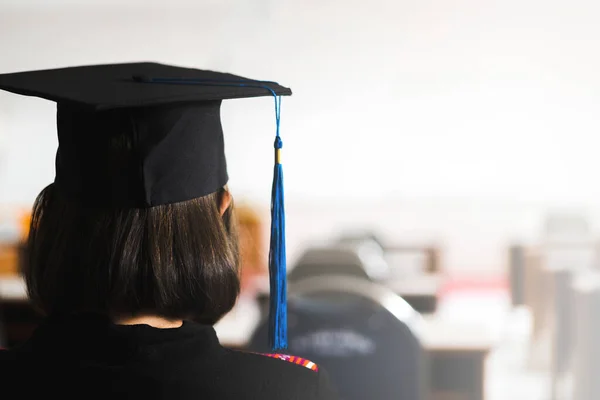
(277, 253)
(277, 256)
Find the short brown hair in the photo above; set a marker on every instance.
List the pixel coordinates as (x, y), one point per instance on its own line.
(178, 261)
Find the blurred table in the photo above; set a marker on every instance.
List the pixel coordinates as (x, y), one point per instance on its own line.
(458, 354)
(12, 288)
(18, 316)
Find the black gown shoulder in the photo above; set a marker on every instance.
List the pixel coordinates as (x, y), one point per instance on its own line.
(287, 376)
(92, 358)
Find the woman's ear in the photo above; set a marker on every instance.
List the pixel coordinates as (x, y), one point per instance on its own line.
(225, 201)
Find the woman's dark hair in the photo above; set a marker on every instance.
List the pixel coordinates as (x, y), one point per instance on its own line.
(178, 261)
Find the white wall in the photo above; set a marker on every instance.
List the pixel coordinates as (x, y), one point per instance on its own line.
(470, 117)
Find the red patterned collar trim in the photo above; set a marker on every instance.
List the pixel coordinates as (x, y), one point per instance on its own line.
(294, 360)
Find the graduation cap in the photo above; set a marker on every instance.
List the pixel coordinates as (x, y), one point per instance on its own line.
(173, 117)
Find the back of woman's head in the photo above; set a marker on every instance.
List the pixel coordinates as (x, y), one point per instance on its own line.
(177, 261)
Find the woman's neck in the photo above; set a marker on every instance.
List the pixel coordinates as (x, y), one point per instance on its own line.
(152, 320)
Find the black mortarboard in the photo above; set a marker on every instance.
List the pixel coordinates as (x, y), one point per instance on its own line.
(172, 116)
(180, 150)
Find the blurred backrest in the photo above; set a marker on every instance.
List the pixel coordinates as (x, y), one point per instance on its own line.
(358, 237)
(329, 260)
(369, 240)
(517, 256)
(364, 336)
(586, 327)
(372, 253)
(566, 227)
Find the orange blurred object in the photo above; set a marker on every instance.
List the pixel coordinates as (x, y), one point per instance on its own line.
(9, 260)
(11, 252)
(252, 249)
(25, 221)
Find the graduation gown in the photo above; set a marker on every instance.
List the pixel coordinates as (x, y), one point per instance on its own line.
(89, 357)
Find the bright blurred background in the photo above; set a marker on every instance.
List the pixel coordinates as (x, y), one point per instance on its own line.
(458, 125)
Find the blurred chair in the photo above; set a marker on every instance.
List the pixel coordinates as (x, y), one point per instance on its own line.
(564, 258)
(364, 259)
(567, 247)
(336, 259)
(536, 299)
(363, 334)
(332, 260)
(561, 330)
(362, 236)
(566, 227)
(413, 272)
(374, 241)
(517, 265)
(586, 352)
